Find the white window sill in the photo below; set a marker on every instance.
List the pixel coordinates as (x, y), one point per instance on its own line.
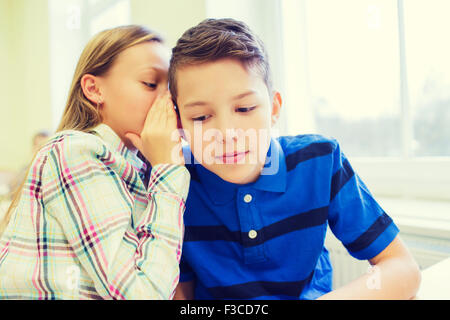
(422, 217)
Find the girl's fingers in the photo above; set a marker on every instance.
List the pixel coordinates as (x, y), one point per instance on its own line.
(160, 141)
(166, 111)
(157, 110)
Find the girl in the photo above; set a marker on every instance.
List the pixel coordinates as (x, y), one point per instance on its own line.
(89, 222)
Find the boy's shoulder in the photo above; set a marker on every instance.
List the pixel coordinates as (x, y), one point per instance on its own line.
(307, 143)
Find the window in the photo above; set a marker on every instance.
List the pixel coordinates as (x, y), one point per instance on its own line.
(428, 68)
(376, 70)
(353, 74)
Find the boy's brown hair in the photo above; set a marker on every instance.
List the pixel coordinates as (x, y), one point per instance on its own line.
(214, 39)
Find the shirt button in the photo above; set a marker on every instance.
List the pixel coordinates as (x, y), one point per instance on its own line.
(248, 198)
(252, 234)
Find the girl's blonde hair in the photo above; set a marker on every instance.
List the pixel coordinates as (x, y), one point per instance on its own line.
(97, 58)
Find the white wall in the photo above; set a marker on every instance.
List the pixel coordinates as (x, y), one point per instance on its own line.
(24, 86)
(6, 114)
(170, 18)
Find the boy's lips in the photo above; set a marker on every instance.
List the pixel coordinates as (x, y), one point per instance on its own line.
(232, 157)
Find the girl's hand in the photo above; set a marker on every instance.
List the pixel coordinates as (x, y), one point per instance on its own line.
(160, 141)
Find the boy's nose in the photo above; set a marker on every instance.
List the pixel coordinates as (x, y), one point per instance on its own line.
(225, 134)
(231, 139)
(231, 134)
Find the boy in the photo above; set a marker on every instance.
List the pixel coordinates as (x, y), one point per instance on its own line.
(258, 207)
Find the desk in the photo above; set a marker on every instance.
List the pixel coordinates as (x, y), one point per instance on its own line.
(435, 283)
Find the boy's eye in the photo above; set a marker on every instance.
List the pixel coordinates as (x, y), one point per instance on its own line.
(202, 118)
(150, 85)
(245, 109)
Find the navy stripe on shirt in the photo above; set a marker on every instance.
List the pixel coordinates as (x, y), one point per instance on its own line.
(193, 172)
(313, 150)
(210, 233)
(371, 234)
(312, 218)
(297, 222)
(255, 289)
(340, 178)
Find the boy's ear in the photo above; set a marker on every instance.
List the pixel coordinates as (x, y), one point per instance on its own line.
(179, 125)
(91, 89)
(276, 107)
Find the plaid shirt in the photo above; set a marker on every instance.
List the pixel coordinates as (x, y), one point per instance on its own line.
(86, 227)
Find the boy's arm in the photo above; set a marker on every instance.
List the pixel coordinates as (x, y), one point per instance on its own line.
(184, 291)
(395, 275)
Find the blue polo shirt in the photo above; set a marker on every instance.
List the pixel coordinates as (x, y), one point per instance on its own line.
(265, 240)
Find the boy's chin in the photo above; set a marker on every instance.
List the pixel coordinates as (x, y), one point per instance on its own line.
(237, 173)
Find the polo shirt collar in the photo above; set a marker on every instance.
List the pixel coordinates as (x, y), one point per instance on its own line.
(273, 175)
(272, 178)
(116, 145)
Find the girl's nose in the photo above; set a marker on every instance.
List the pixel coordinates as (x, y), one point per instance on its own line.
(162, 88)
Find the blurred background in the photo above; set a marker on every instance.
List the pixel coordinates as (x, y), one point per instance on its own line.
(374, 74)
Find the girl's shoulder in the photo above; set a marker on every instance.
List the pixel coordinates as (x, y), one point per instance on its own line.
(68, 140)
(71, 144)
